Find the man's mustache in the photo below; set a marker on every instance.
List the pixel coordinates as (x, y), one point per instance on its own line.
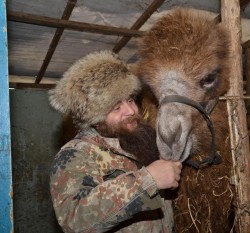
(130, 120)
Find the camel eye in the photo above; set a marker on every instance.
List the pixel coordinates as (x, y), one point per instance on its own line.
(209, 80)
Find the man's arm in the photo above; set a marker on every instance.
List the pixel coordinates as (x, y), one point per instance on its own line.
(83, 201)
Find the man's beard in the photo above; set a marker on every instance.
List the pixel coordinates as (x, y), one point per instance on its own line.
(141, 142)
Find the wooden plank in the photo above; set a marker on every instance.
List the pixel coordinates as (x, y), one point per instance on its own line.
(230, 15)
(70, 25)
(247, 56)
(30, 79)
(24, 82)
(31, 85)
(52, 47)
(6, 203)
(243, 5)
(142, 19)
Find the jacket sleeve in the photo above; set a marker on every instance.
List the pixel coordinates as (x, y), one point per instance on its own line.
(83, 202)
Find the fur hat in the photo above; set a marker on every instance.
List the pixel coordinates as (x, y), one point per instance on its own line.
(92, 86)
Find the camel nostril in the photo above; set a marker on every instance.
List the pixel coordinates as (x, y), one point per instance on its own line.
(178, 134)
(170, 135)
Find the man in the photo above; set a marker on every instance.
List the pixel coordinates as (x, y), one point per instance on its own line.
(104, 179)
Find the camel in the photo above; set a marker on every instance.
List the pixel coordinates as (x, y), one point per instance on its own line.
(187, 54)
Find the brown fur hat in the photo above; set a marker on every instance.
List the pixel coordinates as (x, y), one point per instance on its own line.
(92, 86)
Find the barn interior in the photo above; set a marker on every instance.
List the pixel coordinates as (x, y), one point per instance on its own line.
(44, 38)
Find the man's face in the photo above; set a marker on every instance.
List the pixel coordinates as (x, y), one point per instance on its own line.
(124, 115)
(135, 137)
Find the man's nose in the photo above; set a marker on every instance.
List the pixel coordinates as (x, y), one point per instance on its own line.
(129, 110)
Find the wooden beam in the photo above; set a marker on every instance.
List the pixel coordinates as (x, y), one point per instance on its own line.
(30, 79)
(142, 19)
(31, 85)
(247, 56)
(52, 47)
(71, 25)
(23, 82)
(230, 14)
(243, 4)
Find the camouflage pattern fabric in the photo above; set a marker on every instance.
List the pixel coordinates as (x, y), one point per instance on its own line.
(97, 187)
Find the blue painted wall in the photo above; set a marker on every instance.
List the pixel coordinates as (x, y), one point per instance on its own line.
(6, 220)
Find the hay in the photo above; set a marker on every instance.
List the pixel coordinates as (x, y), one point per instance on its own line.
(205, 198)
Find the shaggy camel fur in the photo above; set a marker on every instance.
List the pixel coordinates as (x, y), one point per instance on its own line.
(188, 54)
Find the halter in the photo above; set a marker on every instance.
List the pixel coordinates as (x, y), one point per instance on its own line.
(214, 157)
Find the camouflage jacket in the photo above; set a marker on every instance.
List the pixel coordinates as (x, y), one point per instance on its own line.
(97, 187)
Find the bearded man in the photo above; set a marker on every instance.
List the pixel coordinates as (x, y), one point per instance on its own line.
(109, 177)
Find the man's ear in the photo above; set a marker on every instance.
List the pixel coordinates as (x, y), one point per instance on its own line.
(96, 126)
(99, 126)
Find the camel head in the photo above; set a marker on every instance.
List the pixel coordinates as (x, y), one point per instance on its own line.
(185, 53)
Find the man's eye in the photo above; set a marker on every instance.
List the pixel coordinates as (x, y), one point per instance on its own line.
(116, 108)
(131, 100)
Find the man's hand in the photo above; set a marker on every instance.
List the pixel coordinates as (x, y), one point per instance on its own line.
(165, 173)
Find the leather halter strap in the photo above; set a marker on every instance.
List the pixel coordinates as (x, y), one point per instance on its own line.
(214, 157)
